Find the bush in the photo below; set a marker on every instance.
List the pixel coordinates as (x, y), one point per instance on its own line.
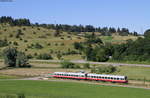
(104, 69)
(3, 43)
(49, 44)
(10, 35)
(38, 46)
(19, 33)
(29, 56)
(34, 32)
(15, 43)
(62, 44)
(44, 56)
(86, 66)
(59, 56)
(67, 64)
(25, 41)
(24, 29)
(42, 36)
(22, 60)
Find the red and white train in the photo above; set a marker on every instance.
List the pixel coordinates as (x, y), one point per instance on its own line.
(90, 76)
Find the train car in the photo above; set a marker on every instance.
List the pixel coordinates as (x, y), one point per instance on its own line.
(89, 76)
(109, 78)
(69, 75)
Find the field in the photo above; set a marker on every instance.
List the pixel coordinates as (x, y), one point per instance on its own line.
(41, 68)
(47, 89)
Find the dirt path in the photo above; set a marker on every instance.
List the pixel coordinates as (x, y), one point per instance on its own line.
(102, 63)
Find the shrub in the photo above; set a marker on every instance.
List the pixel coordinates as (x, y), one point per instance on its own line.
(26, 49)
(62, 44)
(25, 41)
(59, 56)
(20, 38)
(67, 64)
(37, 46)
(34, 32)
(38, 29)
(42, 36)
(19, 32)
(56, 44)
(104, 69)
(35, 54)
(86, 66)
(3, 43)
(51, 51)
(10, 35)
(22, 60)
(24, 29)
(15, 43)
(49, 44)
(44, 56)
(61, 38)
(5, 29)
(29, 56)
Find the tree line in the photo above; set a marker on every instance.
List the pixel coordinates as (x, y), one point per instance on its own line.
(95, 50)
(106, 31)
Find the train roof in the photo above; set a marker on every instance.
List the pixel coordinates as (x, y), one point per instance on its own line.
(70, 73)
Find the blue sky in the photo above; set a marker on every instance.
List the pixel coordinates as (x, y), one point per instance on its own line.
(132, 14)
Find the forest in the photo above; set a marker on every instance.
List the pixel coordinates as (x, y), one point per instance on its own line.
(105, 31)
(95, 50)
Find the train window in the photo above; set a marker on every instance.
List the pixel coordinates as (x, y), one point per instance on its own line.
(108, 77)
(117, 78)
(114, 78)
(105, 77)
(111, 77)
(125, 77)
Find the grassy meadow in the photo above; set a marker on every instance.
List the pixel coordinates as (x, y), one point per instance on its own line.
(47, 89)
(51, 44)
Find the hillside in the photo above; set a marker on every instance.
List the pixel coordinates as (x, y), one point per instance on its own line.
(30, 36)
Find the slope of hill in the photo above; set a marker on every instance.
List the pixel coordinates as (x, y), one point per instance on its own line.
(35, 40)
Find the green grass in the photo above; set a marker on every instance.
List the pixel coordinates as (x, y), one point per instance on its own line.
(8, 77)
(134, 73)
(47, 89)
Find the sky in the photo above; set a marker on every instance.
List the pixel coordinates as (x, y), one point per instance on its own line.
(132, 14)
